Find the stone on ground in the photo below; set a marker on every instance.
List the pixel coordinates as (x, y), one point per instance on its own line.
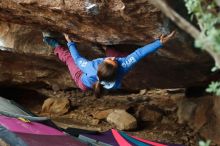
(56, 106)
(122, 120)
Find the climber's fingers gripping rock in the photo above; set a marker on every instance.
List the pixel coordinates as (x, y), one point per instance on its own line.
(165, 38)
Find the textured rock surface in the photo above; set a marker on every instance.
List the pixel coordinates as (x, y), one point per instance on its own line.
(25, 58)
(161, 69)
(124, 23)
(28, 69)
(201, 114)
(110, 22)
(211, 129)
(117, 21)
(101, 115)
(146, 114)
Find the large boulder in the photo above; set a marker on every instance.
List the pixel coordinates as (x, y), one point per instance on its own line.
(122, 120)
(25, 51)
(125, 24)
(26, 60)
(114, 21)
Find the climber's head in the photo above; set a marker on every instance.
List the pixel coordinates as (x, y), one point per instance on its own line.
(107, 72)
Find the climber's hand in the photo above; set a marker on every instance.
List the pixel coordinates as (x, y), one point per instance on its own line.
(165, 38)
(67, 37)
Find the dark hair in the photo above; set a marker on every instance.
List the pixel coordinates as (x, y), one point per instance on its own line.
(105, 72)
(98, 89)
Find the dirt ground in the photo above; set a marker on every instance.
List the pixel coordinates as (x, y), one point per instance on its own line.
(160, 124)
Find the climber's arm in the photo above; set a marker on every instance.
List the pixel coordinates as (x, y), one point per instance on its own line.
(80, 61)
(128, 62)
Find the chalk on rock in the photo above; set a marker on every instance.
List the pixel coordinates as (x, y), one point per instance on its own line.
(91, 8)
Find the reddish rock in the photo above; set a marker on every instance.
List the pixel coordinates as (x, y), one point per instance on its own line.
(157, 70)
(145, 114)
(202, 115)
(102, 114)
(113, 22)
(211, 130)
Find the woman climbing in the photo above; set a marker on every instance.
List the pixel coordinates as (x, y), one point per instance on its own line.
(101, 73)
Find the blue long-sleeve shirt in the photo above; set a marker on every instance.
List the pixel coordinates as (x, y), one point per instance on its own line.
(125, 64)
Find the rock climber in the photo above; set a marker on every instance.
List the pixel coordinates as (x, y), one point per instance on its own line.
(101, 73)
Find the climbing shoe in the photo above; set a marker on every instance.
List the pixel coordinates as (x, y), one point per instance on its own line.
(51, 41)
